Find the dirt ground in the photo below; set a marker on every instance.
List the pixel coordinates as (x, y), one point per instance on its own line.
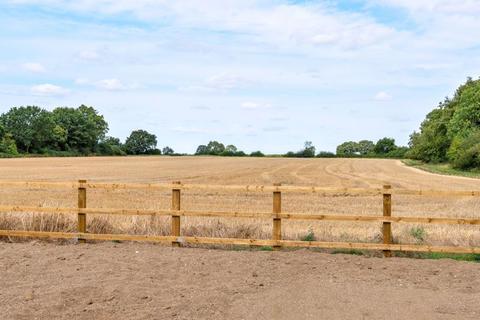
(144, 281)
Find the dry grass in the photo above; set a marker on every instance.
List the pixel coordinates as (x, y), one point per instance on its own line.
(358, 173)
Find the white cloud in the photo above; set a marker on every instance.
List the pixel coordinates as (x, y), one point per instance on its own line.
(33, 67)
(382, 96)
(111, 85)
(254, 105)
(48, 89)
(224, 81)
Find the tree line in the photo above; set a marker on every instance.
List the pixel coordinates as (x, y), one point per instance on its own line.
(68, 131)
(451, 132)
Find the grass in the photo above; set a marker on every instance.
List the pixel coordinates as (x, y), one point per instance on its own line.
(441, 168)
(455, 256)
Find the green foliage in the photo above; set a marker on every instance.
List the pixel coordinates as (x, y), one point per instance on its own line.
(308, 151)
(84, 128)
(365, 147)
(167, 151)
(418, 233)
(310, 236)
(257, 154)
(31, 127)
(213, 148)
(464, 152)
(385, 146)
(325, 154)
(110, 146)
(348, 148)
(450, 131)
(141, 142)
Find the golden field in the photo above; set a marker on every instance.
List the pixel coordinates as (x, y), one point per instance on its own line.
(351, 173)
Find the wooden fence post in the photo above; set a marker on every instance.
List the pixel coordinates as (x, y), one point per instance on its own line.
(387, 212)
(176, 218)
(277, 221)
(82, 204)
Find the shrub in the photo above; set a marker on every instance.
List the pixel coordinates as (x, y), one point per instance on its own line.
(257, 154)
(418, 233)
(310, 236)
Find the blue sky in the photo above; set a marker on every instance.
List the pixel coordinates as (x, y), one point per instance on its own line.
(262, 75)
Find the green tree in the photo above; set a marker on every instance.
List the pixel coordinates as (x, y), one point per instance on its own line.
(201, 150)
(7, 144)
(348, 148)
(167, 151)
(257, 154)
(384, 146)
(84, 126)
(365, 147)
(140, 142)
(110, 146)
(31, 127)
(215, 148)
(308, 150)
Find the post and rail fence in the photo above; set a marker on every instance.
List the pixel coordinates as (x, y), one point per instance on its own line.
(276, 241)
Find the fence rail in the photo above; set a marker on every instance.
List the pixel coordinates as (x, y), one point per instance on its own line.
(276, 216)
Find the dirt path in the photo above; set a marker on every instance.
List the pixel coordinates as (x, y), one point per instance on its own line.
(142, 281)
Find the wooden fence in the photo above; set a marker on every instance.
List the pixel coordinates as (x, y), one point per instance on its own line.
(176, 239)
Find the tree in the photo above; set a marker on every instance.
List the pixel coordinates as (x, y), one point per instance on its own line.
(384, 146)
(447, 131)
(7, 144)
(140, 142)
(231, 148)
(348, 148)
(110, 146)
(202, 150)
(31, 127)
(308, 150)
(365, 147)
(257, 154)
(84, 126)
(215, 147)
(167, 151)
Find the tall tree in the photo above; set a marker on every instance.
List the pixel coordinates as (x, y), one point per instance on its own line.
(84, 127)
(140, 142)
(31, 127)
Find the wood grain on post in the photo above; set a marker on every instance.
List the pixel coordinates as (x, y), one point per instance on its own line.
(277, 221)
(387, 212)
(82, 204)
(176, 218)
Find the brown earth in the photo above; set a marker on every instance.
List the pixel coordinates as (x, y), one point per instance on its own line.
(144, 281)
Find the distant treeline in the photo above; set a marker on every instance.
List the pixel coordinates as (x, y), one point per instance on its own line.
(450, 133)
(67, 132)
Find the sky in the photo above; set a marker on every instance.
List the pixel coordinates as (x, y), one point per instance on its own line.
(263, 75)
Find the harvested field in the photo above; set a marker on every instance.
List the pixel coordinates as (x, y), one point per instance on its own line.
(142, 281)
(356, 173)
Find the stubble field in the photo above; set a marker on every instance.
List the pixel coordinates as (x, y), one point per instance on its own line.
(351, 173)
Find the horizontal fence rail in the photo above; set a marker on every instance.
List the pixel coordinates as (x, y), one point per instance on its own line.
(276, 216)
(238, 188)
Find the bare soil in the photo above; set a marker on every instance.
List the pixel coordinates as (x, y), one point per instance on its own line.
(142, 281)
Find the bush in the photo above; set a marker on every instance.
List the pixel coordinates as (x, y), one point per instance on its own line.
(326, 154)
(464, 153)
(310, 236)
(418, 233)
(257, 154)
